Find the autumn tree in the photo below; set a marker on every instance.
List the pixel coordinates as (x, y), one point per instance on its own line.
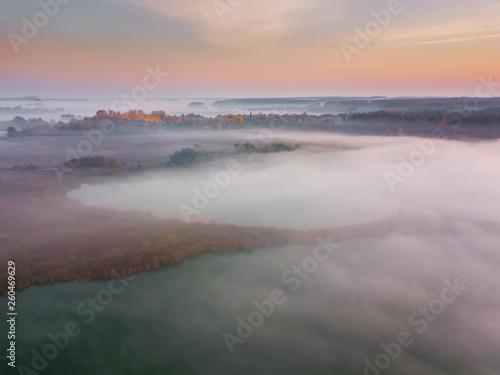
(113, 163)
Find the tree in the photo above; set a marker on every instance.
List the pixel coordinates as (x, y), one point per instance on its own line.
(11, 131)
(113, 163)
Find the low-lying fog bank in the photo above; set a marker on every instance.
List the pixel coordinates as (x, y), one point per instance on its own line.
(331, 180)
(421, 299)
(436, 294)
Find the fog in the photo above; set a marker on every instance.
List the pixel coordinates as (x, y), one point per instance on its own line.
(430, 296)
(331, 180)
(174, 319)
(52, 109)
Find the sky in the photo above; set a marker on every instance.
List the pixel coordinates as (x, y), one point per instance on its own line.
(243, 48)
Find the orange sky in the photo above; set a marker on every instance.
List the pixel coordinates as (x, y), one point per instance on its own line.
(257, 48)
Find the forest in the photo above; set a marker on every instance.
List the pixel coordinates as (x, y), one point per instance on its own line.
(196, 155)
(464, 124)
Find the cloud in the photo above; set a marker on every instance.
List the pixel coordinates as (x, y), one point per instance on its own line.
(258, 23)
(468, 25)
(454, 40)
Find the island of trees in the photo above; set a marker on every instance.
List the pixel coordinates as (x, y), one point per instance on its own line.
(196, 155)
